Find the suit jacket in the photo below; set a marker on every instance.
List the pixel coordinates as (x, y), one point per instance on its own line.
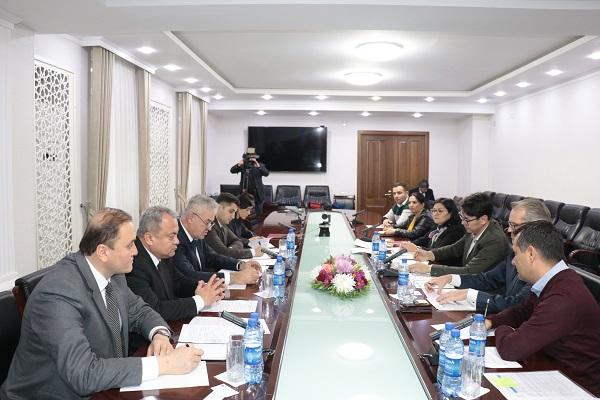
(504, 278)
(66, 350)
(490, 249)
(165, 289)
(187, 262)
(222, 240)
(428, 194)
(238, 226)
(450, 235)
(422, 227)
(254, 178)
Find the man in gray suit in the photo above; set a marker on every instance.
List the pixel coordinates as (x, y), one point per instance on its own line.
(74, 334)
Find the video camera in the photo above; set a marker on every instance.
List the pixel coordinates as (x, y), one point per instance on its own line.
(248, 156)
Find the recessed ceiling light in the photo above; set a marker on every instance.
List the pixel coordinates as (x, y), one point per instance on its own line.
(266, 97)
(261, 112)
(146, 50)
(363, 78)
(417, 115)
(205, 89)
(218, 96)
(429, 99)
(313, 113)
(375, 98)
(379, 51)
(523, 84)
(172, 67)
(365, 113)
(554, 72)
(500, 93)
(191, 80)
(482, 100)
(321, 97)
(595, 55)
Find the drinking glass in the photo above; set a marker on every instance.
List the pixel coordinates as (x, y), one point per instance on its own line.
(472, 369)
(267, 283)
(283, 247)
(235, 358)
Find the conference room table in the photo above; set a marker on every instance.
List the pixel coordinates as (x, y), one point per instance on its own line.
(329, 348)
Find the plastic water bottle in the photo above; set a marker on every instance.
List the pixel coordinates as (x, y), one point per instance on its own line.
(382, 253)
(291, 242)
(477, 336)
(253, 362)
(475, 363)
(279, 279)
(403, 291)
(442, 350)
(451, 383)
(375, 248)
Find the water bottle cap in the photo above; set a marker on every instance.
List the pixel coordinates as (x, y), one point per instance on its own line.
(279, 258)
(455, 333)
(252, 322)
(290, 230)
(382, 241)
(478, 317)
(449, 326)
(254, 315)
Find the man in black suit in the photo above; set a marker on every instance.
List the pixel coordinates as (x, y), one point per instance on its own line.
(251, 178)
(500, 287)
(194, 257)
(156, 279)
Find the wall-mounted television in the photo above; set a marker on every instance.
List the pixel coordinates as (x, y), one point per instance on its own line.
(290, 149)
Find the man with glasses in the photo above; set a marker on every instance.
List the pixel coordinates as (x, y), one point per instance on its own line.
(482, 247)
(500, 287)
(194, 258)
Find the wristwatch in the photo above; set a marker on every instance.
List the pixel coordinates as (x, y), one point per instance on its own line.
(163, 332)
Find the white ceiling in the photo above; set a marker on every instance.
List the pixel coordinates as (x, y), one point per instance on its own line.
(455, 51)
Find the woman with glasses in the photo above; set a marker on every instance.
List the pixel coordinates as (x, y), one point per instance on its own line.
(418, 225)
(449, 230)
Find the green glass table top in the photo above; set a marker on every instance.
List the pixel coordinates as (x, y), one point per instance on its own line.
(341, 349)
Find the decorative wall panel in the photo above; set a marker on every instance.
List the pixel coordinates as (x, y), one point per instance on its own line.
(159, 154)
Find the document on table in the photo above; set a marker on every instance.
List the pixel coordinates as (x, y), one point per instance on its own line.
(236, 286)
(547, 385)
(240, 306)
(265, 262)
(462, 305)
(362, 243)
(198, 377)
(360, 250)
(212, 351)
(222, 322)
(464, 334)
(493, 359)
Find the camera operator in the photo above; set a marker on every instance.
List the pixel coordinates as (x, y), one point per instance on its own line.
(251, 178)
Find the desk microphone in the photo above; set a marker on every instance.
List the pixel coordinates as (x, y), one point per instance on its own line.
(393, 256)
(365, 238)
(355, 221)
(298, 213)
(286, 226)
(271, 253)
(359, 213)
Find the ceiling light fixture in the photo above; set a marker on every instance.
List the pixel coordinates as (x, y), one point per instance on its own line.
(363, 78)
(205, 89)
(321, 97)
(482, 100)
(554, 72)
(523, 84)
(260, 112)
(594, 56)
(375, 98)
(417, 115)
(172, 67)
(313, 113)
(500, 93)
(146, 50)
(218, 96)
(379, 51)
(429, 99)
(266, 97)
(191, 80)
(365, 113)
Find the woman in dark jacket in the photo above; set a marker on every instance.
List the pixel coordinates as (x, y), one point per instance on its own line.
(418, 225)
(449, 230)
(239, 225)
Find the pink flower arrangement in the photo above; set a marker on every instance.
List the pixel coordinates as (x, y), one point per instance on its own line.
(342, 276)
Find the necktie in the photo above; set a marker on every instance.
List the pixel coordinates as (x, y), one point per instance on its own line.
(165, 277)
(197, 247)
(113, 319)
(473, 243)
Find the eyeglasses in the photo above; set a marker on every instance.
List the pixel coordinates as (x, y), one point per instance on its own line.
(208, 223)
(437, 210)
(465, 220)
(514, 227)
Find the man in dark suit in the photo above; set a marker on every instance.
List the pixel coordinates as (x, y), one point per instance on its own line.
(482, 247)
(500, 287)
(195, 259)
(155, 277)
(251, 182)
(221, 238)
(74, 332)
(424, 189)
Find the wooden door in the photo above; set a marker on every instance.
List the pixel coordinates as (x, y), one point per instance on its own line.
(387, 157)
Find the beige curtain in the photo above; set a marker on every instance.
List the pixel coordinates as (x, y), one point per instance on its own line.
(202, 141)
(101, 62)
(142, 78)
(184, 125)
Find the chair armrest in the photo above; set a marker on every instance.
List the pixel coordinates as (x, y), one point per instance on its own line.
(575, 253)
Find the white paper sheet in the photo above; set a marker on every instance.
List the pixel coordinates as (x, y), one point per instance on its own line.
(212, 351)
(267, 262)
(223, 377)
(462, 305)
(240, 306)
(362, 243)
(360, 250)
(236, 286)
(198, 377)
(464, 332)
(222, 322)
(546, 385)
(493, 359)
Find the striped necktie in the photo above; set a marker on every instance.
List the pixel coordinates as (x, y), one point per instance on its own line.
(113, 319)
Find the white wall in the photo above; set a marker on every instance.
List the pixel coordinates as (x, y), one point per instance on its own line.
(227, 140)
(547, 144)
(473, 154)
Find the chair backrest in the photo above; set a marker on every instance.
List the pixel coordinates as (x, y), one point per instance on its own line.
(268, 193)
(588, 236)
(458, 201)
(508, 206)
(554, 207)
(24, 287)
(10, 330)
(288, 195)
(490, 194)
(570, 220)
(499, 203)
(316, 193)
(233, 189)
(592, 281)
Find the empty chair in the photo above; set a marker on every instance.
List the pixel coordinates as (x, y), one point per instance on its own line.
(554, 207)
(24, 287)
(499, 203)
(268, 193)
(288, 195)
(233, 189)
(570, 220)
(586, 243)
(317, 194)
(10, 330)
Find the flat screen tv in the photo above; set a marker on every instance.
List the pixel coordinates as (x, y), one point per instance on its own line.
(290, 149)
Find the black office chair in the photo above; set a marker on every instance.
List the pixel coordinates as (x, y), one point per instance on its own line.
(570, 220)
(233, 189)
(508, 207)
(592, 281)
(457, 200)
(317, 194)
(24, 287)
(268, 193)
(10, 330)
(490, 194)
(499, 203)
(288, 195)
(585, 245)
(554, 207)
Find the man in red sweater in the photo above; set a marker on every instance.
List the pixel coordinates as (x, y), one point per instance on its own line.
(560, 317)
